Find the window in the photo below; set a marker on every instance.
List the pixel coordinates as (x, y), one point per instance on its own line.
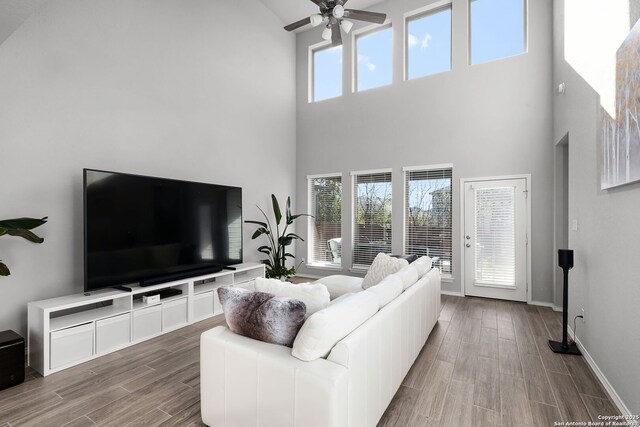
(327, 73)
(497, 29)
(371, 215)
(428, 214)
(428, 43)
(325, 231)
(374, 54)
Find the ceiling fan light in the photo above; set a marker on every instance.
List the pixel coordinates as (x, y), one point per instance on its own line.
(338, 11)
(326, 34)
(316, 20)
(346, 25)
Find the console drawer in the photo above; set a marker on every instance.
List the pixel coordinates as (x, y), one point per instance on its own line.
(147, 322)
(174, 314)
(71, 345)
(113, 332)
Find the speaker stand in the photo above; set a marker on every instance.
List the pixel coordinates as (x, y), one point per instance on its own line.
(564, 347)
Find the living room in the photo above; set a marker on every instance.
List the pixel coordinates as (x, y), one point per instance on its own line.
(219, 93)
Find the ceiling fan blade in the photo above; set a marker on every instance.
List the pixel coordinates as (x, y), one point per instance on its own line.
(336, 35)
(321, 3)
(298, 24)
(363, 15)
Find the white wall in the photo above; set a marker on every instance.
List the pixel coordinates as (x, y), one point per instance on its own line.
(606, 277)
(488, 120)
(157, 87)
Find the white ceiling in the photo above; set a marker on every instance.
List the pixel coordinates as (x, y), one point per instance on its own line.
(13, 13)
(293, 10)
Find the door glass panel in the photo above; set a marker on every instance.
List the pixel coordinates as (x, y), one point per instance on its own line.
(495, 239)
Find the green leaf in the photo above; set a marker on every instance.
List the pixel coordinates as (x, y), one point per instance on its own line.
(4, 270)
(289, 210)
(23, 223)
(276, 209)
(259, 232)
(3, 231)
(288, 255)
(260, 223)
(294, 236)
(26, 234)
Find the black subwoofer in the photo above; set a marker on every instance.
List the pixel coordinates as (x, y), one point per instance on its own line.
(11, 359)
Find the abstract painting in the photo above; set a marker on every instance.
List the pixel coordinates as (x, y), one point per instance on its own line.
(621, 130)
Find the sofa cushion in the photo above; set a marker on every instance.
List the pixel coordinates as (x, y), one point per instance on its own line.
(382, 266)
(262, 316)
(423, 264)
(408, 275)
(315, 296)
(338, 285)
(387, 290)
(325, 328)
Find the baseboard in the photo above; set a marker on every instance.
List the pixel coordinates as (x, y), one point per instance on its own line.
(603, 380)
(451, 293)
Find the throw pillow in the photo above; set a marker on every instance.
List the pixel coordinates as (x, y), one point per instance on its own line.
(322, 331)
(262, 316)
(382, 266)
(314, 296)
(409, 258)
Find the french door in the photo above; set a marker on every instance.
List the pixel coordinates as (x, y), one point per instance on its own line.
(495, 238)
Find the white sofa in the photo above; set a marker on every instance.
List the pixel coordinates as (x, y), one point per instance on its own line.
(245, 382)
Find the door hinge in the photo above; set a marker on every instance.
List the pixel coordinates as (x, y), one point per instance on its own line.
(526, 194)
(526, 240)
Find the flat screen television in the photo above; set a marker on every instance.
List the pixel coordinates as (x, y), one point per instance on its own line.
(145, 230)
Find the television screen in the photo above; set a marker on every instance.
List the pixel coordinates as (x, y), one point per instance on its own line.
(140, 228)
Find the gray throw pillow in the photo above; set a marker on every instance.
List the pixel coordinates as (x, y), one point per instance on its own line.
(262, 316)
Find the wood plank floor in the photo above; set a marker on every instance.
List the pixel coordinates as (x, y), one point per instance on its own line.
(486, 363)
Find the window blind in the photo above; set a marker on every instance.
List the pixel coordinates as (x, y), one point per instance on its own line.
(495, 255)
(428, 206)
(325, 201)
(372, 217)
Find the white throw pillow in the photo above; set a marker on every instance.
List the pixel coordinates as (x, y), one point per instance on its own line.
(382, 266)
(387, 290)
(314, 296)
(423, 264)
(408, 275)
(322, 331)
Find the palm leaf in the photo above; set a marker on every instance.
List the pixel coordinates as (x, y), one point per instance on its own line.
(276, 209)
(260, 223)
(23, 223)
(26, 234)
(4, 270)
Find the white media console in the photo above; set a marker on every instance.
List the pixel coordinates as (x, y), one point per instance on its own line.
(70, 330)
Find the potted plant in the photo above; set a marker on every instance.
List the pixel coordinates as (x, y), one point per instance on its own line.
(20, 227)
(276, 249)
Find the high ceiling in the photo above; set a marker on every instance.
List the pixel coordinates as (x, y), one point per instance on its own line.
(292, 10)
(13, 13)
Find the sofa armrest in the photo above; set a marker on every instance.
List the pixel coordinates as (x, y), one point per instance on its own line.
(245, 382)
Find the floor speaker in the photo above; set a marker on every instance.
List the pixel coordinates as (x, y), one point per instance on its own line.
(11, 359)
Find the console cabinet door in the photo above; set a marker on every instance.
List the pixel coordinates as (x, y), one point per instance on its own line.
(147, 322)
(71, 345)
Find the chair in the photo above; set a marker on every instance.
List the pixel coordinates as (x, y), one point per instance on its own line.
(335, 249)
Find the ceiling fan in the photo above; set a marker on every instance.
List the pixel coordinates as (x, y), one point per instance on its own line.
(334, 14)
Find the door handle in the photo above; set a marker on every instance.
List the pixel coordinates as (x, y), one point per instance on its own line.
(468, 245)
(468, 237)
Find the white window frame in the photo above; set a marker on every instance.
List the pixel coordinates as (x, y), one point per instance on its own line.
(311, 71)
(311, 221)
(353, 210)
(417, 14)
(445, 277)
(369, 29)
(525, 16)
